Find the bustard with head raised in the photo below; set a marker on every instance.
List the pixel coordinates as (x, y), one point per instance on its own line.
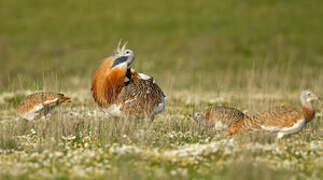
(281, 120)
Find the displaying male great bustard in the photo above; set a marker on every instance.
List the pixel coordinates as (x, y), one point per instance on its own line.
(281, 120)
(138, 96)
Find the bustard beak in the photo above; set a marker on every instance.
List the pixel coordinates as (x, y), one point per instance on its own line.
(316, 98)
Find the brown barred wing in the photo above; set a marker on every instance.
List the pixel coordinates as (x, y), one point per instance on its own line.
(140, 97)
(226, 115)
(279, 117)
(41, 102)
(273, 120)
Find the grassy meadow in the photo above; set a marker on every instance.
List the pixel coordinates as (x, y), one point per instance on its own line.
(251, 54)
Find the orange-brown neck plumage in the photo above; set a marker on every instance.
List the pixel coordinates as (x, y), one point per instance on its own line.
(308, 112)
(107, 82)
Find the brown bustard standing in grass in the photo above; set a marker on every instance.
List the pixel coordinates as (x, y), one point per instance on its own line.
(220, 117)
(39, 104)
(281, 120)
(138, 96)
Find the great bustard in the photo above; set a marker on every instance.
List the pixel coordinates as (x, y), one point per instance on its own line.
(281, 120)
(138, 96)
(220, 117)
(39, 104)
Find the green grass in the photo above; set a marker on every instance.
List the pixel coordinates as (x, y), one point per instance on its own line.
(251, 54)
(46, 40)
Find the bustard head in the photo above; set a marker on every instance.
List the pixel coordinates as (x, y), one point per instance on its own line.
(308, 96)
(197, 116)
(123, 56)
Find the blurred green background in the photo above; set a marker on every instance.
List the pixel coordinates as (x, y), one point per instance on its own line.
(212, 45)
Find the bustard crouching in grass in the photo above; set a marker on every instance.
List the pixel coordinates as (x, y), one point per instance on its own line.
(138, 96)
(220, 117)
(281, 120)
(39, 104)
